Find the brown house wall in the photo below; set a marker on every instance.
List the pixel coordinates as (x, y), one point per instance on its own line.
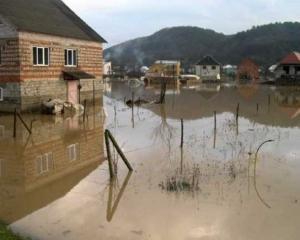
(26, 86)
(90, 57)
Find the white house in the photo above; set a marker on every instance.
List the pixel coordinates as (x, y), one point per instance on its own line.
(107, 68)
(208, 69)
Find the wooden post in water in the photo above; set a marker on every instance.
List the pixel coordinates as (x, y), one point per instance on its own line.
(237, 113)
(182, 129)
(132, 109)
(110, 136)
(269, 102)
(110, 164)
(257, 108)
(215, 128)
(84, 110)
(25, 125)
(94, 101)
(215, 120)
(15, 123)
(237, 118)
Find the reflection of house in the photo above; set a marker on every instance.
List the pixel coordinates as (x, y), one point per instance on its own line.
(107, 68)
(47, 51)
(38, 170)
(248, 70)
(163, 69)
(230, 70)
(208, 69)
(288, 71)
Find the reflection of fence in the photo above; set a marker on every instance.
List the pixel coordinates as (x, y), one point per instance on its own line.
(112, 206)
(16, 114)
(109, 136)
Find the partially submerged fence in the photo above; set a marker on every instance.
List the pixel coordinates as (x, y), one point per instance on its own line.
(109, 137)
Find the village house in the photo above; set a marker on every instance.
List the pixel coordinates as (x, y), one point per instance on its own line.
(163, 69)
(208, 69)
(288, 70)
(46, 52)
(248, 71)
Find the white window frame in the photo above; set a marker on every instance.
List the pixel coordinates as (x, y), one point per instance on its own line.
(1, 94)
(72, 64)
(73, 152)
(37, 56)
(44, 163)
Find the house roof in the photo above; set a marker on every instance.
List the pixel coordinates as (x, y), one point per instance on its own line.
(51, 17)
(292, 58)
(208, 60)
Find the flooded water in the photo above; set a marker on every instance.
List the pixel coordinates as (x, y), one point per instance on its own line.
(236, 179)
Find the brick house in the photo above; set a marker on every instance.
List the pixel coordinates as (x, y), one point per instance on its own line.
(46, 51)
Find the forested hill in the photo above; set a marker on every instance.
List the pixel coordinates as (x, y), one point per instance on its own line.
(265, 44)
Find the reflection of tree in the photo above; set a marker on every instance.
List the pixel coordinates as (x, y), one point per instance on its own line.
(164, 131)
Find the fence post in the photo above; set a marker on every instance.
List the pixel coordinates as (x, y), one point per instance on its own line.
(84, 110)
(181, 143)
(25, 125)
(237, 113)
(111, 171)
(15, 123)
(119, 150)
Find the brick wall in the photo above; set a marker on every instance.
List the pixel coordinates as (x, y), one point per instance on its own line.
(26, 86)
(90, 56)
(21, 183)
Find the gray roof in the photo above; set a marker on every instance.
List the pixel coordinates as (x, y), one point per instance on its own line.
(207, 60)
(51, 17)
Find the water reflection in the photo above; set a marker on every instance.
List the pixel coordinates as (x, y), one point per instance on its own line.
(197, 191)
(113, 202)
(37, 169)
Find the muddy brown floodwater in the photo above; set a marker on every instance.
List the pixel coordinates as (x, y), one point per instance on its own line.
(220, 185)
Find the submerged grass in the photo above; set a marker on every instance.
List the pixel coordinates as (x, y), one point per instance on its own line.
(183, 181)
(6, 234)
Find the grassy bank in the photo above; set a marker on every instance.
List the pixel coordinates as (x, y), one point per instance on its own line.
(6, 234)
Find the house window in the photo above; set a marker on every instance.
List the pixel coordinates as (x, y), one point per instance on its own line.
(70, 57)
(41, 56)
(214, 67)
(1, 94)
(73, 152)
(204, 67)
(44, 163)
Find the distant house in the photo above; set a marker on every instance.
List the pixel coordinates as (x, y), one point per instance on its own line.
(163, 69)
(46, 51)
(107, 68)
(248, 71)
(208, 69)
(288, 69)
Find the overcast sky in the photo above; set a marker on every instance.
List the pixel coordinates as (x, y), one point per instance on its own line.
(121, 20)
